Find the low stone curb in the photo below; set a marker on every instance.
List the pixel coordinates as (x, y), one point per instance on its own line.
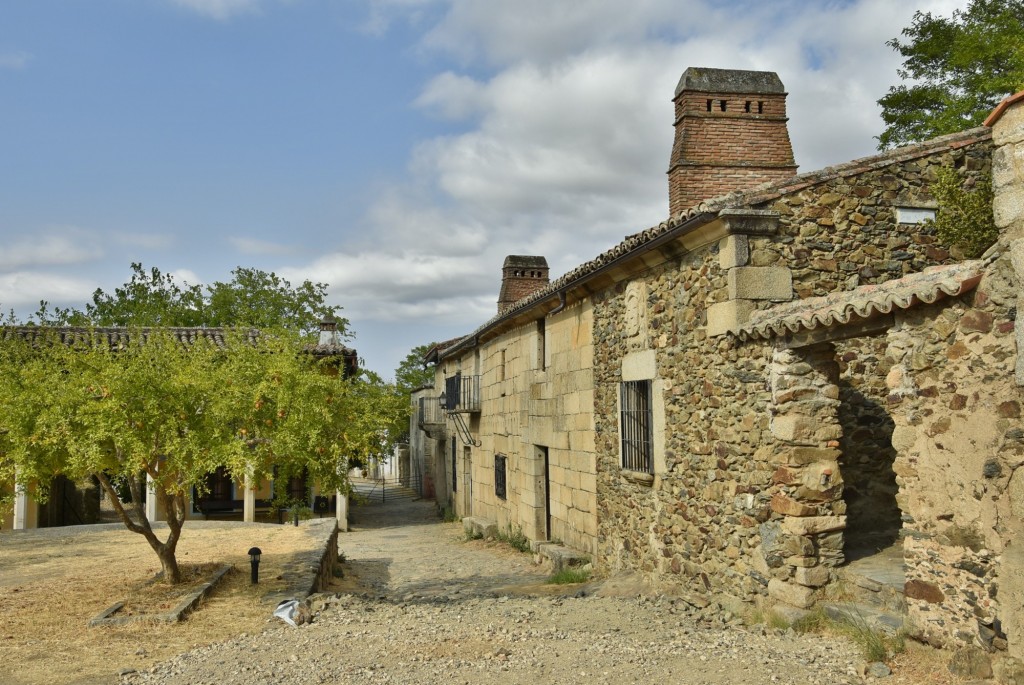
(184, 607)
(312, 570)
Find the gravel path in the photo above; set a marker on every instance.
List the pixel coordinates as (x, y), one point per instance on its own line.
(424, 606)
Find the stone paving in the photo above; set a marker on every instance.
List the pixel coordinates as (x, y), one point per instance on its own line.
(403, 550)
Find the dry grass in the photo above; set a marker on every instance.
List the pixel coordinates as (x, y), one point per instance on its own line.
(53, 582)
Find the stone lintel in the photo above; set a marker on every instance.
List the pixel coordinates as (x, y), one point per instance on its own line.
(773, 283)
(837, 332)
(749, 221)
(724, 317)
(639, 366)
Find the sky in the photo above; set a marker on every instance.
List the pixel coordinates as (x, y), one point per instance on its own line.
(396, 150)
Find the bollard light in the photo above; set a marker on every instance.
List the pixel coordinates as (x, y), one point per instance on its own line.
(254, 560)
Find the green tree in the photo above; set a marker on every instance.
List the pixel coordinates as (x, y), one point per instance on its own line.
(965, 216)
(154, 406)
(959, 67)
(412, 373)
(251, 298)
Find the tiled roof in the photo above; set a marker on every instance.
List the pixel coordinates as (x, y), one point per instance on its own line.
(997, 113)
(708, 209)
(864, 302)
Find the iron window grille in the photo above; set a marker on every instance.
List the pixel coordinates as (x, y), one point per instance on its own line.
(636, 426)
(500, 462)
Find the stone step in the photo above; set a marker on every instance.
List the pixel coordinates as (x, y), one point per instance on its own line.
(884, 593)
(866, 615)
(560, 556)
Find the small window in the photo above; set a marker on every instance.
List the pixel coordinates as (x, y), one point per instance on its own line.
(709, 104)
(914, 215)
(636, 426)
(722, 105)
(500, 461)
(542, 363)
(760, 107)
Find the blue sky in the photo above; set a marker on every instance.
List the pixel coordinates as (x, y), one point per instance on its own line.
(394, 149)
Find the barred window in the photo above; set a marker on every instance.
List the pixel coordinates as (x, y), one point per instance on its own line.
(500, 461)
(635, 424)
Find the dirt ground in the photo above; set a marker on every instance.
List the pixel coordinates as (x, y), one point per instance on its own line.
(406, 583)
(52, 581)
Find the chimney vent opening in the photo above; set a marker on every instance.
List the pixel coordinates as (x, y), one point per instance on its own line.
(760, 107)
(746, 107)
(721, 105)
(709, 104)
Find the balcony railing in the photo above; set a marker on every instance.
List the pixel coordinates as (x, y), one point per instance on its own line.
(431, 411)
(462, 394)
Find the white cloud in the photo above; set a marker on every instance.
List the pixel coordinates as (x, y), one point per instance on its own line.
(14, 60)
(186, 276)
(25, 289)
(58, 246)
(220, 9)
(566, 134)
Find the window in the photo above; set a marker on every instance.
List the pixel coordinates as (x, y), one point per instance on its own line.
(914, 215)
(500, 461)
(541, 345)
(635, 425)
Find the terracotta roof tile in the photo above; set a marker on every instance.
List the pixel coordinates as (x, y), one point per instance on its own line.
(864, 302)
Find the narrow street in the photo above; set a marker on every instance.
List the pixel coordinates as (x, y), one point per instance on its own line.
(420, 604)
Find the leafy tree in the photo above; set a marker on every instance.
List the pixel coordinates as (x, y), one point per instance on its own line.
(255, 404)
(965, 216)
(411, 372)
(961, 68)
(251, 298)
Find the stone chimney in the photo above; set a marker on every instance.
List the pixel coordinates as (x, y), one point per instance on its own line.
(521, 276)
(329, 332)
(730, 134)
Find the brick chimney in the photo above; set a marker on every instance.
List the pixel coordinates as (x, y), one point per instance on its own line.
(521, 276)
(730, 134)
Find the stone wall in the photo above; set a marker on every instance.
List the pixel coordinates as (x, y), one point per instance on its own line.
(721, 512)
(536, 411)
(959, 441)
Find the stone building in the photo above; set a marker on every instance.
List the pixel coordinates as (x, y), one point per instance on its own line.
(774, 387)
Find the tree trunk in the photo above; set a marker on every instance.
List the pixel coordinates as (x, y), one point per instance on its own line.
(175, 507)
(169, 562)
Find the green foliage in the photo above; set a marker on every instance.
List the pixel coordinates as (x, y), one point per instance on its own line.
(874, 644)
(767, 617)
(569, 576)
(965, 216)
(515, 538)
(960, 67)
(411, 373)
(260, 406)
(251, 298)
(814, 621)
